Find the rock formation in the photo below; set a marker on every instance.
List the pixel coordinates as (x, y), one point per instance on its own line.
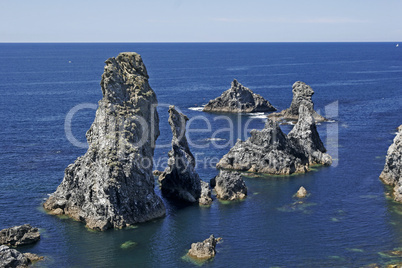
(305, 134)
(180, 180)
(205, 198)
(271, 151)
(239, 99)
(205, 249)
(230, 186)
(392, 172)
(19, 235)
(112, 185)
(302, 93)
(301, 193)
(12, 258)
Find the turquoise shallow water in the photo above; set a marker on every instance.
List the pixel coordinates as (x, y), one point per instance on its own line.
(345, 222)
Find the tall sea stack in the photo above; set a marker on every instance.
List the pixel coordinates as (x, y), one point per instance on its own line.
(392, 172)
(302, 93)
(180, 181)
(112, 185)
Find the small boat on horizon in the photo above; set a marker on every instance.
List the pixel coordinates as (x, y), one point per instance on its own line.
(397, 45)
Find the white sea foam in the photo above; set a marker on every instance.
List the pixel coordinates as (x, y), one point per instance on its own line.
(215, 139)
(196, 108)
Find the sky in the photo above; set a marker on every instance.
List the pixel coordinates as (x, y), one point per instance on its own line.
(201, 21)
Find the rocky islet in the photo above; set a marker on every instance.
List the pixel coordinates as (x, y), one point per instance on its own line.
(111, 186)
(239, 99)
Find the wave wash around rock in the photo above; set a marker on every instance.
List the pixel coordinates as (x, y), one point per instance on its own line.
(270, 151)
(112, 185)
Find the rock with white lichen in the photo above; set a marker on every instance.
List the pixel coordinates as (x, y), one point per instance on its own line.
(239, 99)
(112, 185)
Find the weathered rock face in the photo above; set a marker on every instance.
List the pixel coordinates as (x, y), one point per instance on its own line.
(12, 258)
(392, 172)
(112, 184)
(239, 99)
(305, 134)
(204, 250)
(230, 186)
(302, 93)
(301, 193)
(271, 151)
(205, 198)
(180, 180)
(19, 235)
(266, 151)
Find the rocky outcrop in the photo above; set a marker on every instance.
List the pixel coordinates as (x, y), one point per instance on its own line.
(205, 249)
(302, 93)
(239, 99)
(270, 151)
(180, 181)
(10, 258)
(304, 135)
(112, 185)
(301, 193)
(230, 186)
(19, 235)
(392, 172)
(205, 198)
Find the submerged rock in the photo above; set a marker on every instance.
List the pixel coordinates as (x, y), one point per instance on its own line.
(392, 172)
(230, 186)
(180, 180)
(112, 185)
(301, 193)
(205, 199)
(270, 151)
(19, 235)
(12, 258)
(239, 99)
(302, 93)
(205, 249)
(33, 257)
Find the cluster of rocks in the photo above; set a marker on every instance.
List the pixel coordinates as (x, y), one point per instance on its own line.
(180, 181)
(18, 236)
(239, 99)
(204, 250)
(271, 151)
(392, 172)
(302, 94)
(112, 185)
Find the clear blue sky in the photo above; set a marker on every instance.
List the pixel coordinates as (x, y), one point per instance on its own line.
(200, 20)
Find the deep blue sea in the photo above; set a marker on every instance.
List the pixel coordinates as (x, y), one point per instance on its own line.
(347, 221)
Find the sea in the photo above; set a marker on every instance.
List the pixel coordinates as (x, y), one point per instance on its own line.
(49, 93)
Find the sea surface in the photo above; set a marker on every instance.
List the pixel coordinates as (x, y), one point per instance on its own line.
(346, 221)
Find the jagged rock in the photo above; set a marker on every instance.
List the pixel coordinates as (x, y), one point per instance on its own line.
(392, 172)
(180, 180)
(271, 151)
(230, 186)
(305, 134)
(239, 99)
(266, 151)
(205, 249)
(205, 199)
(301, 193)
(301, 93)
(19, 235)
(10, 258)
(112, 184)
